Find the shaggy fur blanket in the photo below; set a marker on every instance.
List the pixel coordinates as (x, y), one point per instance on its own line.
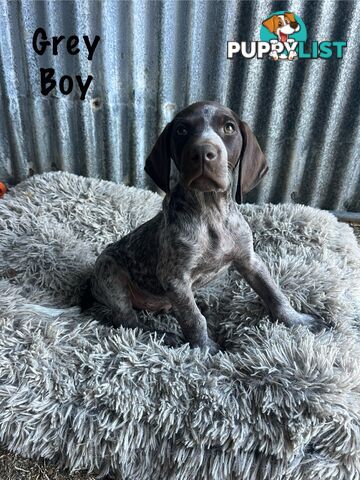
(278, 404)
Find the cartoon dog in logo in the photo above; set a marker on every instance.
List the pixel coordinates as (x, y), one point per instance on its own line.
(282, 26)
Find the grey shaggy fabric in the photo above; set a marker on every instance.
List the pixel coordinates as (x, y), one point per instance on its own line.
(278, 404)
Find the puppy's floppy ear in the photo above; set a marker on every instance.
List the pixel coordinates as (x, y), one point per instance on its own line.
(290, 16)
(271, 23)
(157, 164)
(252, 163)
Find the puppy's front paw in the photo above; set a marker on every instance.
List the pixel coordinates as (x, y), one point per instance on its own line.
(313, 322)
(208, 343)
(171, 339)
(213, 347)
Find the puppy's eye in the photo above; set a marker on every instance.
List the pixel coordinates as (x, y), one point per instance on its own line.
(229, 128)
(181, 130)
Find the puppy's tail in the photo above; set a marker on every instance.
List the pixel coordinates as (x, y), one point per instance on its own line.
(87, 298)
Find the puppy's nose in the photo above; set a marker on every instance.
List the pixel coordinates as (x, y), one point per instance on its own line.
(203, 152)
(294, 25)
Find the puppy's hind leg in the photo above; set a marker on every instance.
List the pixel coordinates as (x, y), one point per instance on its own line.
(110, 286)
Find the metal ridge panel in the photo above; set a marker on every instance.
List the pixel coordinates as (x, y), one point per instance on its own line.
(154, 58)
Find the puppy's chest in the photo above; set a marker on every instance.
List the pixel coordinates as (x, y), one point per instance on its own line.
(212, 252)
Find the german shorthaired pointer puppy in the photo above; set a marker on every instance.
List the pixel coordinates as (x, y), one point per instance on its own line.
(205, 160)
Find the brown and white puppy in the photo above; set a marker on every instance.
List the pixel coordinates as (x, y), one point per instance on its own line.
(205, 160)
(282, 26)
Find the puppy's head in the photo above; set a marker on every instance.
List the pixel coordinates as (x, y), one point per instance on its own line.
(211, 149)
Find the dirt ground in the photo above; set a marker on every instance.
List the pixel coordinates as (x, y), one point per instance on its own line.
(15, 467)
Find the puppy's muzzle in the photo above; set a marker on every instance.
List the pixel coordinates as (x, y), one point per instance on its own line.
(203, 153)
(203, 167)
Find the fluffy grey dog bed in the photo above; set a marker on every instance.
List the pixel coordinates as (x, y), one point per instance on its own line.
(277, 404)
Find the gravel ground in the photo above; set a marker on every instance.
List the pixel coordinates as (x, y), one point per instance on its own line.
(15, 467)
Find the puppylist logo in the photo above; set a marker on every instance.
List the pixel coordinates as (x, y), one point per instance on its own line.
(283, 36)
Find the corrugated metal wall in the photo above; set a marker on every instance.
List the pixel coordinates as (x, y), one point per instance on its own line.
(154, 58)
